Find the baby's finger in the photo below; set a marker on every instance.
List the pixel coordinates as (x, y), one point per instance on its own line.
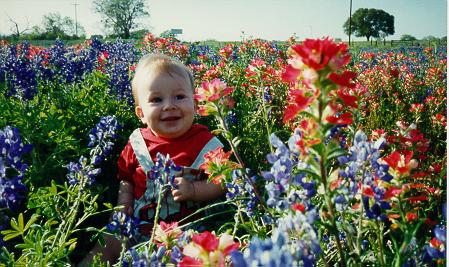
(176, 192)
(178, 180)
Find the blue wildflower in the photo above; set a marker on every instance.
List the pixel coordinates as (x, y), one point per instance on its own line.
(122, 225)
(101, 136)
(12, 169)
(273, 251)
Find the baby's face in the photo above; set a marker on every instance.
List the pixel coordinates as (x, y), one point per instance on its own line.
(166, 104)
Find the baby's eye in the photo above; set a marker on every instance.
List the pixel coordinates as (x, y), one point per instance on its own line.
(180, 97)
(155, 100)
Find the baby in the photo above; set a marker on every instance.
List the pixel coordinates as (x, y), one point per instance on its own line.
(163, 91)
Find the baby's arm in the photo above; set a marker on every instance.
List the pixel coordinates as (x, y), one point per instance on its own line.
(196, 190)
(126, 197)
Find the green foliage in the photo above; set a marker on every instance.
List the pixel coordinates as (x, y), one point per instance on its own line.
(48, 237)
(57, 122)
(55, 26)
(408, 37)
(370, 22)
(121, 15)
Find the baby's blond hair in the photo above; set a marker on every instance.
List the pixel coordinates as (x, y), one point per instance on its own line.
(156, 64)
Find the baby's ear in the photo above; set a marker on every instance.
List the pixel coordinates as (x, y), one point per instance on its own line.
(139, 112)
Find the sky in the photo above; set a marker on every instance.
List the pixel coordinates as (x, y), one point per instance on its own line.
(232, 20)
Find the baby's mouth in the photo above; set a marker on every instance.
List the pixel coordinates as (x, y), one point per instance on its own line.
(171, 118)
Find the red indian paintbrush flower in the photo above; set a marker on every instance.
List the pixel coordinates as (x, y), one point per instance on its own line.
(298, 101)
(217, 164)
(320, 53)
(206, 249)
(402, 163)
(212, 91)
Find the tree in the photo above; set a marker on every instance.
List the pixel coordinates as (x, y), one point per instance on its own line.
(370, 23)
(15, 28)
(56, 26)
(408, 37)
(121, 15)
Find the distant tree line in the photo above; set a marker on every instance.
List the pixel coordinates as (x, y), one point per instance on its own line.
(120, 18)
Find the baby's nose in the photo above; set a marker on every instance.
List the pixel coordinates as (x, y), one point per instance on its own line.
(169, 104)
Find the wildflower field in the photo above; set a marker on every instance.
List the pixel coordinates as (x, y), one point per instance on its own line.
(332, 157)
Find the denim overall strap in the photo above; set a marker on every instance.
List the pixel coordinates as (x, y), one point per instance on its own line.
(143, 156)
(141, 150)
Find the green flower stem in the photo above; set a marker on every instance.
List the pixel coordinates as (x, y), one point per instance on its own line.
(156, 215)
(334, 225)
(64, 229)
(323, 171)
(380, 242)
(265, 115)
(359, 229)
(237, 216)
(122, 252)
(401, 250)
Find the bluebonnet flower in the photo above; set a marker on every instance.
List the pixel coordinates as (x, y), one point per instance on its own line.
(20, 72)
(240, 187)
(362, 166)
(122, 225)
(120, 56)
(121, 81)
(299, 228)
(138, 258)
(156, 257)
(12, 169)
(82, 172)
(231, 118)
(281, 178)
(333, 132)
(100, 136)
(266, 94)
(176, 255)
(164, 171)
(61, 63)
(271, 252)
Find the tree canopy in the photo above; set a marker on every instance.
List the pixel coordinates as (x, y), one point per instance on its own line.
(370, 22)
(55, 26)
(121, 16)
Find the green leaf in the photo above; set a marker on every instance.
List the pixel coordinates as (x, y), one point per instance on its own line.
(108, 205)
(21, 222)
(72, 246)
(14, 224)
(34, 217)
(91, 229)
(11, 236)
(24, 246)
(319, 148)
(6, 232)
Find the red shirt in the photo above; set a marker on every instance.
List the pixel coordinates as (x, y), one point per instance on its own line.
(183, 151)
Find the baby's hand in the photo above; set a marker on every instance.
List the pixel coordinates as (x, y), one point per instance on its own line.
(185, 190)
